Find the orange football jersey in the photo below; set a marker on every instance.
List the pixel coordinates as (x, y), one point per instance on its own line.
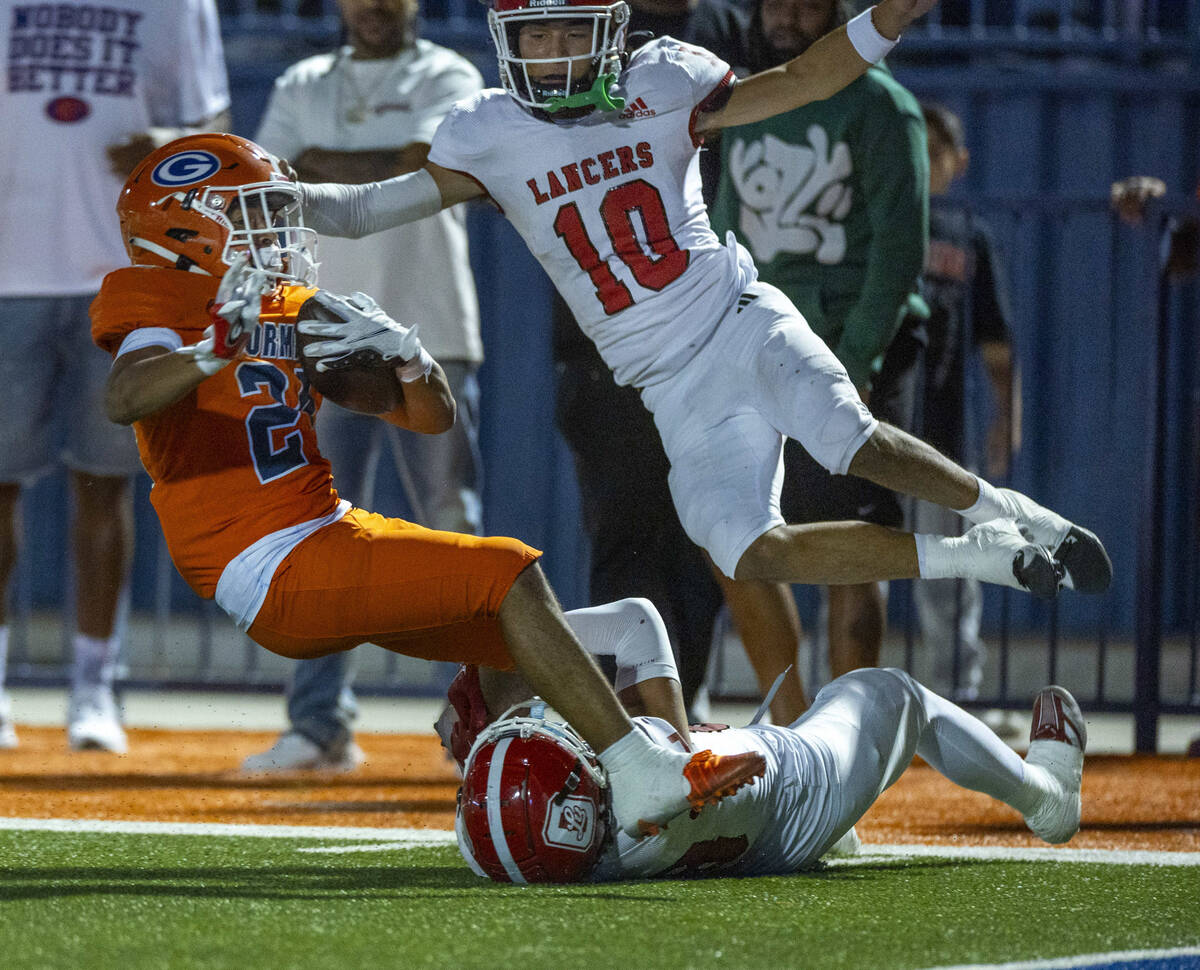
(237, 458)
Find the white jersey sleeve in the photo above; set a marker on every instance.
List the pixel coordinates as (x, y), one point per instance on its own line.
(456, 143)
(707, 80)
(632, 633)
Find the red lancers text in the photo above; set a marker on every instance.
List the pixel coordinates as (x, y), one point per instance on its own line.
(611, 164)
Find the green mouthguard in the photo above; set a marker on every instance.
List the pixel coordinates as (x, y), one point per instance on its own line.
(596, 96)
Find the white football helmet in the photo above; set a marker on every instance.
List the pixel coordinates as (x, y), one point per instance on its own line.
(590, 88)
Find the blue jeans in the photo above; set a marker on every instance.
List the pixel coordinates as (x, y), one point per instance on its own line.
(441, 476)
(52, 378)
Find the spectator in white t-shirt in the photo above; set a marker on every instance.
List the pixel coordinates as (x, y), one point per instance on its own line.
(91, 90)
(363, 113)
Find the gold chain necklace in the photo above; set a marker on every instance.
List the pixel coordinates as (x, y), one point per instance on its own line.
(356, 113)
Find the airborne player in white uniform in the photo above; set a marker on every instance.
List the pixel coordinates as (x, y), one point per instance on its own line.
(594, 159)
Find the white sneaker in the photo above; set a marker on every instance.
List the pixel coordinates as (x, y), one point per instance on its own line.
(996, 552)
(8, 731)
(1057, 741)
(293, 751)
(93, 723)
(1082, 554)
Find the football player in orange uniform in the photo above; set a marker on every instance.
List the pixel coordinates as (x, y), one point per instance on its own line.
(204, 331)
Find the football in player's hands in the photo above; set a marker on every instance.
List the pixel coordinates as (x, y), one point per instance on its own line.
(366, 386)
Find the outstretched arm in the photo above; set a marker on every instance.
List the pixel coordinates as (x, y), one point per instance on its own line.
(820, 72)
(354, 211)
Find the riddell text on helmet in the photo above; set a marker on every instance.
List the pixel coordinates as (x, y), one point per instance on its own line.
(611, 164)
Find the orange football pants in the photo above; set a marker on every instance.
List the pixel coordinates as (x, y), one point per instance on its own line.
(371, 579)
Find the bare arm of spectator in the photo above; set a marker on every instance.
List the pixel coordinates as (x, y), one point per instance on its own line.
(1004, 433)
(123, 156)
(372, 165)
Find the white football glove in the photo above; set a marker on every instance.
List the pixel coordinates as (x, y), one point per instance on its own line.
(203, 353)
(237, 305)
(234, 314)
(365, 336)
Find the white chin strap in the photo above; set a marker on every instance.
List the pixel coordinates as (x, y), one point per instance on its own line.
(165, 253)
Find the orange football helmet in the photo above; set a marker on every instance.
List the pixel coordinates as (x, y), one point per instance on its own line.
(199, 201)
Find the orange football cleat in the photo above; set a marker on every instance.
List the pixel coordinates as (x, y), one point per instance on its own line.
(714, 776)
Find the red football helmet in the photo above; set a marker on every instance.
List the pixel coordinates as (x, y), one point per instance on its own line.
(198, 201)
(609, 23)
(534, 803)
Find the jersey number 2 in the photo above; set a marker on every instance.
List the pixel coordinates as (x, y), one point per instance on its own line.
(271, 429)
(652, 272)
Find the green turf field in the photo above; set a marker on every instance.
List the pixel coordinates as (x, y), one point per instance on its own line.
(106, 899)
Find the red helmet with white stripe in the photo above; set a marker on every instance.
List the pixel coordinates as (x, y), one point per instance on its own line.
(583, 89)
(534, 803)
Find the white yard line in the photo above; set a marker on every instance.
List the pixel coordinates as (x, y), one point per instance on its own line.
(874, 853)
(380, 840)
(1089, 960)
(407, 836)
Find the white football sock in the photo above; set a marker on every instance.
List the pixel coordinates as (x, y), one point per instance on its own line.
(1037, 786)
(1036, 521)
(647, 780)
(990, 505)
(95, 660)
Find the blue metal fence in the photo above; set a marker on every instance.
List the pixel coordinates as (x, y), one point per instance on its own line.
(1127, 31)
(1058, 99)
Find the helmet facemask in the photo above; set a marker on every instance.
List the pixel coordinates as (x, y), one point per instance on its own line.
(590, 76)
(265, 220)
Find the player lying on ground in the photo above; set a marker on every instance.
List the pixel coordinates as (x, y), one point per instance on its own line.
(534, 801)
(608, 199)
(203, 328)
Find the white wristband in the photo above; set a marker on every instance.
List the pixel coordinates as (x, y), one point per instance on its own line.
(415, 369)
(871, 45)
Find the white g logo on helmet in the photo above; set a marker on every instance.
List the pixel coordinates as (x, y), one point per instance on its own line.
(185, 168)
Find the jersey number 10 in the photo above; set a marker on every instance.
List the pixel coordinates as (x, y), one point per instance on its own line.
(652, 272)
